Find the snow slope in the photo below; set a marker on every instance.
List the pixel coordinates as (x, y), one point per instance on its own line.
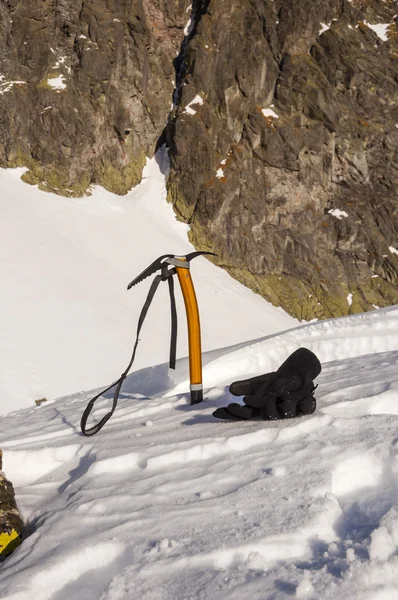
(68, 320)
(167, 503)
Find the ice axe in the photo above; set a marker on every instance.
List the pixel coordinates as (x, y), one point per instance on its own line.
(168, 265)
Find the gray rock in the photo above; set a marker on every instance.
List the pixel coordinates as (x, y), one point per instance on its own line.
(86, 88)
(299, 202)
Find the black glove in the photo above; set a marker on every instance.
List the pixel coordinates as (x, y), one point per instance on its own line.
(283, 394)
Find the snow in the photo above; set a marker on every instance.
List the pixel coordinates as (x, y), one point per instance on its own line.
(339, 214)
(324, 28)
(393, 250)
(61, 61)
(166, 502)
(70, 321)
(188, 26)
(192, 507)
(57, 83)
(349, 299)
(197, 100)
(305, 589)
(220, 173)
(268, 112)
(6, 86)
(380, 29)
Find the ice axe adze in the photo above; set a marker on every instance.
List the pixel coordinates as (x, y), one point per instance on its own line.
(168, 265)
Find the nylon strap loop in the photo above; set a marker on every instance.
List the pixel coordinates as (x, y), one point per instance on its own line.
(173, 335)
(167, 274)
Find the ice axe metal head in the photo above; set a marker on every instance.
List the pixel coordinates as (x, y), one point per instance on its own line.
(164, 261)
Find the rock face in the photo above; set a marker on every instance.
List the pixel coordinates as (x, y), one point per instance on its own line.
(283, 135)
(86, 87)
(11, 527)
(286, 162)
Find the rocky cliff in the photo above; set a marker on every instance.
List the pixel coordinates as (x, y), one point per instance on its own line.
(293, 174)
(283, 134)
(86, 87)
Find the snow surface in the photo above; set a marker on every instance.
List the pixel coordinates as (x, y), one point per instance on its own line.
(380, 29)
(339, 214)
(268, 112)
(168, 503)
(69, 322)
(324, 28)
(57, 83)
(197, 100)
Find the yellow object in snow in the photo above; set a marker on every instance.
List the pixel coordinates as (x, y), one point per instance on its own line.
(8, 542)
(194, 341)
(11, 525)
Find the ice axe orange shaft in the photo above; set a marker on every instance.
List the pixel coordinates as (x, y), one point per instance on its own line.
(193, 321)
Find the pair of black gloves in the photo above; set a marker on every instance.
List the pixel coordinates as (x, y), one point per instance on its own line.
(283, 394)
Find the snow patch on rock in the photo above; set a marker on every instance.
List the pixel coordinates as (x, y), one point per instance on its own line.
(197, 100)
